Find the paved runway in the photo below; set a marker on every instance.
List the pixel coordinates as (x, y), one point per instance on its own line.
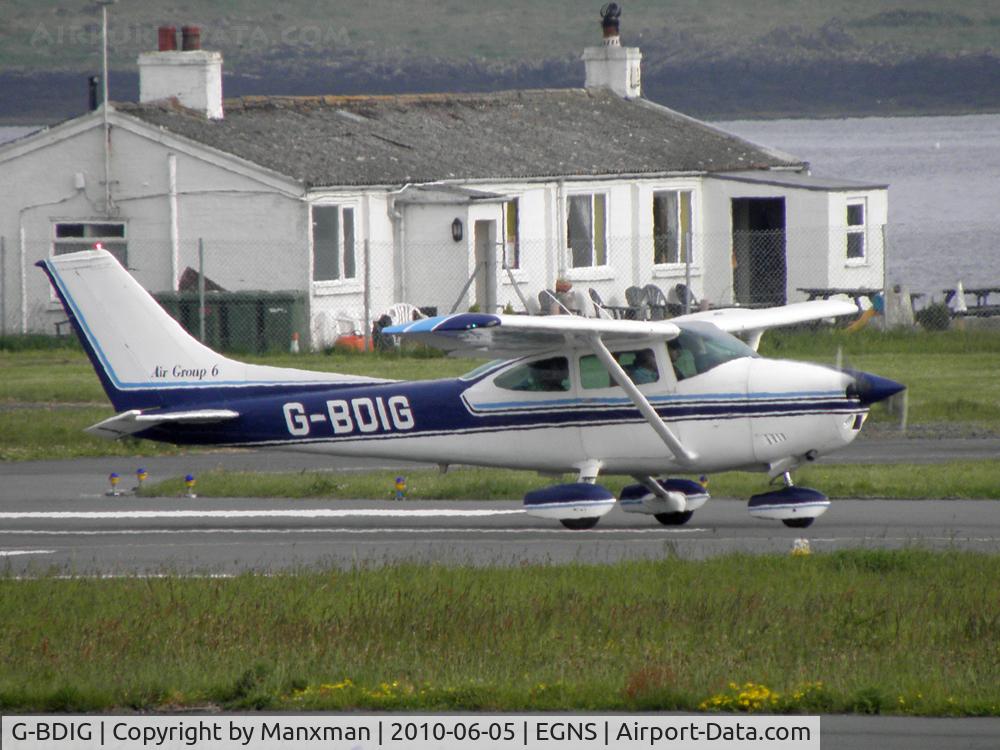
(54, 516)
(127, 535)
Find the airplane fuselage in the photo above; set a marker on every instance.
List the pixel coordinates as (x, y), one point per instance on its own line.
(746, 413)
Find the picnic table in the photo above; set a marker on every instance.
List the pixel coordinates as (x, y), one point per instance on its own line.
(982, 308)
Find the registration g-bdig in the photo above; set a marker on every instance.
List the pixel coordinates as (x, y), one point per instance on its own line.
(345, 416)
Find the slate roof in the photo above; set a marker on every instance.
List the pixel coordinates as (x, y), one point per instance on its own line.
(393, 140)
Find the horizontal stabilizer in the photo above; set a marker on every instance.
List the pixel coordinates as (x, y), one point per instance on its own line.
(476, 334)
(130, 422)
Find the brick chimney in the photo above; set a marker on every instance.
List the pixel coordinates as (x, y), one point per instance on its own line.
(611, 65)
(191, 75)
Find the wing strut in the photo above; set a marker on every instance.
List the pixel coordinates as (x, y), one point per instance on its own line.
(681, 453)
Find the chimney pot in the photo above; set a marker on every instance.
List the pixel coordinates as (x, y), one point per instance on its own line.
(191, 38)
(610, 19)
(168, 38)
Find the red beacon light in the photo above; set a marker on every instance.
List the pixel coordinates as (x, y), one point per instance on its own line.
(97, 246)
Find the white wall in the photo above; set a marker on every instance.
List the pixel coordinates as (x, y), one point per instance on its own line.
(814, 224)
(868, 272)
(254, 228)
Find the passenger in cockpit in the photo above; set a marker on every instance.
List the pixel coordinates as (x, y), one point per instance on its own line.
(682, 360)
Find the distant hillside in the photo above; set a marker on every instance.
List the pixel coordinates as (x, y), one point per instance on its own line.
(707, 57)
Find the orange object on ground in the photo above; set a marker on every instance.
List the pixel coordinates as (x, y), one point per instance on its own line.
(352, 342)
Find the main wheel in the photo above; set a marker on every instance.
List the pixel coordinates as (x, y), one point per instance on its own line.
(798, 523)
(580, 524)
(674, 519)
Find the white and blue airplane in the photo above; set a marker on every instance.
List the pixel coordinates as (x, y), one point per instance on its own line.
(568, 395)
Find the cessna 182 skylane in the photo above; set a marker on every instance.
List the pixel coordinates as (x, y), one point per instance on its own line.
(570, 395)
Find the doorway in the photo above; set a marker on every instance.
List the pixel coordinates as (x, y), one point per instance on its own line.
(486, 265)
(759, 261)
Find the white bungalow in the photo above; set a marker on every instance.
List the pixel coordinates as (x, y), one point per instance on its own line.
(439, 200)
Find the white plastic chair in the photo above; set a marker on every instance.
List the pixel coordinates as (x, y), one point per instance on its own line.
(403, 312)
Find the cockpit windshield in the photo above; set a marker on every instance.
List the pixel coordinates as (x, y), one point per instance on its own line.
(702, 346)
(482, 369)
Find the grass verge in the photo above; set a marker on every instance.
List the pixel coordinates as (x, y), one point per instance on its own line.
(910, 631)
(956, 479)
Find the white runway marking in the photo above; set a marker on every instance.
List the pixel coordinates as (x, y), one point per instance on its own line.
(18, 552)
(342, 530)
(111, 515)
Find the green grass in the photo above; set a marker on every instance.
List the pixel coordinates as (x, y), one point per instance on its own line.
(953, 480)
(909, 631)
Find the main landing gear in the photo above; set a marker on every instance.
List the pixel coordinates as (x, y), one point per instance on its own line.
(672, 502)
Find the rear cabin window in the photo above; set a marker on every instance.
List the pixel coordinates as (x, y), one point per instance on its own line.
(550, 374)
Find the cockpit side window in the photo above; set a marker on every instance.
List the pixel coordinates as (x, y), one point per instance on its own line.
(638, 364)
(701, 347)
(550, 374)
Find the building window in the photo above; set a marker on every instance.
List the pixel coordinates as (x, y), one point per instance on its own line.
(586, 230)
(671, 226)
(333, 243)
(511, 244)
(73, 236)
(856, 230)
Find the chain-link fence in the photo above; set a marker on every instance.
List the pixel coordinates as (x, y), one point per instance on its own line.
(242, 296)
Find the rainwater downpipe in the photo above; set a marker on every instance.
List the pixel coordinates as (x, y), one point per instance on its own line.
(561, 236)
(175, 242)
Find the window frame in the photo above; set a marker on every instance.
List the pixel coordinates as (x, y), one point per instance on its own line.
(859, 232)
(61, 245)
(682, 252)
(512, 248)
(345, 262)
(596, 248)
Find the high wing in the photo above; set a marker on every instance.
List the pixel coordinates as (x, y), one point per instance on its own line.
(753, 322)
(508, 336)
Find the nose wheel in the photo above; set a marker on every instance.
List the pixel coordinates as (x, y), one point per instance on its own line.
(579, 524)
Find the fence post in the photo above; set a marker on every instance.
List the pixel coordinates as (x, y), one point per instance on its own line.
(687, 274)
(3, 286)
(367, 332)
(24, 281)
(201, 290)
(885, 252)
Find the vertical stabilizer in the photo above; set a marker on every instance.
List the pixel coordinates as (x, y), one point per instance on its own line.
(144, 357)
